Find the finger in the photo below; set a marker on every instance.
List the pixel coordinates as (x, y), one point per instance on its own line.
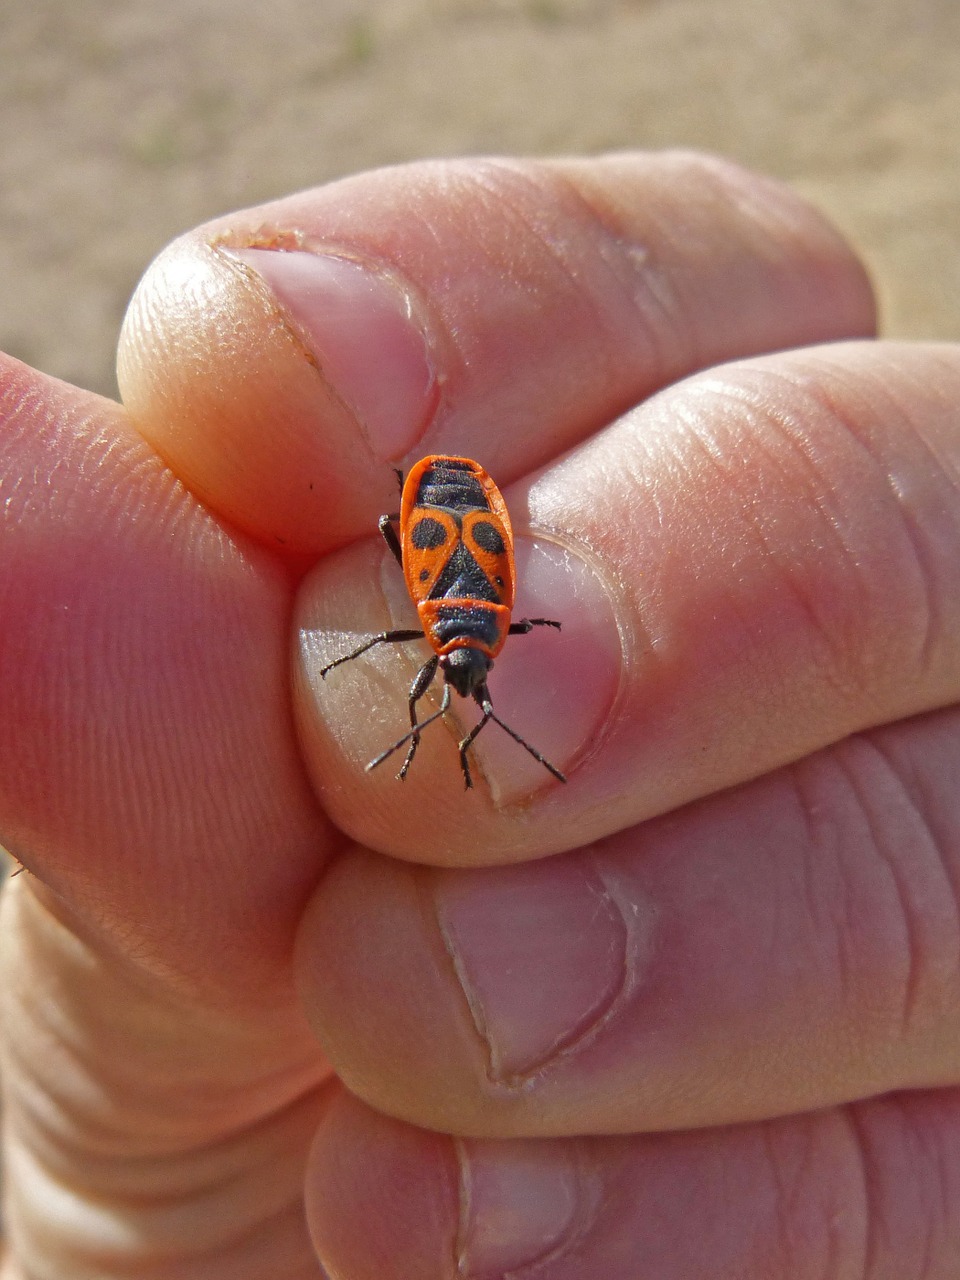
(147, 760)
(282, 358)
(781, 947)
(148, 1130)
(846, 1195)
(754, 564)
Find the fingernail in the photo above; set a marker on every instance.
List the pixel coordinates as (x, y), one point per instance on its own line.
(545, 956)
(554, 688)
(521, 1203)
(366, 332)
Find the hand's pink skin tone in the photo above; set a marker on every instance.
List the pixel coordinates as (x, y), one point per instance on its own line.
(848, 1195)
(181, 828)
(646, 268)
(804, 473)
(143, 653)
(641, 983)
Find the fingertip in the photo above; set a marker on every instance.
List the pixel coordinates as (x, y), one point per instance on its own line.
(381, 1197)
(368, 332)
(278, 359)
(217, 373)
(557, 689)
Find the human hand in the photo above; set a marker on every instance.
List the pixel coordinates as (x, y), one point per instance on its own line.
(663, 1049)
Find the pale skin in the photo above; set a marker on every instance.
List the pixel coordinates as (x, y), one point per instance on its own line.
(715, 1032)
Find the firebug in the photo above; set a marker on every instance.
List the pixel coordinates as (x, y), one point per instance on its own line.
(455, 547)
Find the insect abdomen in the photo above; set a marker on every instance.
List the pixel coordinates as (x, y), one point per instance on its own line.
(450, 482)
(462, 624)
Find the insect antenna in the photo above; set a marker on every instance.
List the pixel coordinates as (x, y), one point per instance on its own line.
(482, 699)
(533, 750)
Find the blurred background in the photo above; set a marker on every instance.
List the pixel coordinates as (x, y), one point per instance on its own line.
(125, 122)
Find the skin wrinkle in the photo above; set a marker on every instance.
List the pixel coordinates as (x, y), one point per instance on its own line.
(861, 1168)
(166, 1221)
(822, 396)
(664, 330)
(723, 463)
(932, 1154)
(912, 793)
(874, 1158)
(660, 333)
(785, 1189)
(913, 977)
(932, 613)
(220, 1171)
(946, 1185)
(928, 616)
(798, 1187)
(821, 835)
(926, 802)
(62, 1116)
(205, 1163)
(789, 434)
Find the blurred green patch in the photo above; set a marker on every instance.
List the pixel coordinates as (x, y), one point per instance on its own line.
(360, 43)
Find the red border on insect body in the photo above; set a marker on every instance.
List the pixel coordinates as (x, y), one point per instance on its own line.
(454, 542)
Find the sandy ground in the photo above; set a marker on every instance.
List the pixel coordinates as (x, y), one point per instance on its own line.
(127, 121)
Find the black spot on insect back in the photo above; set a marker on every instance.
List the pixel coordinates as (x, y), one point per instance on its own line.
(487, 537)
(428, 534)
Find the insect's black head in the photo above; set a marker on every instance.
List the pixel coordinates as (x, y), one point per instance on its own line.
(466, 669)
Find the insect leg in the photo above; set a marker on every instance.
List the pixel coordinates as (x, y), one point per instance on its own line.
(526, 625)
(417, 690)
(386, 526)
(482, 699)
(466, 742)
(444, 706)
(385, 637)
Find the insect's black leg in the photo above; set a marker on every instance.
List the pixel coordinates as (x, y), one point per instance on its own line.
(526, 625)
(384, 755)
(386, 524)
(466, 742)
(417, 690)
(385, 637)
(482, 699)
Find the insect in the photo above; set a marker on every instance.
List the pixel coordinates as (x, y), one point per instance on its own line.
(455, 546)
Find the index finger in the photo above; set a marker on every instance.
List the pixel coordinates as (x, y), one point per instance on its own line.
(283, 358)
(750, 566)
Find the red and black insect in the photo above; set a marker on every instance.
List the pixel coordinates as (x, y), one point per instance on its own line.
(455, 547)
